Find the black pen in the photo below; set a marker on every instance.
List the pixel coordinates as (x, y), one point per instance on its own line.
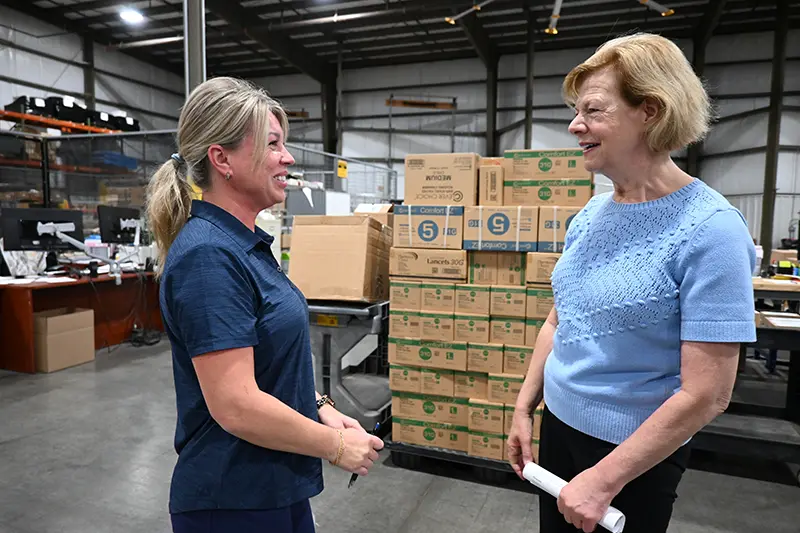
(354, 477)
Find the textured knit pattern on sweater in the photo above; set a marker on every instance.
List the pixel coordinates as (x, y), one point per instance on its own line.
(633, 282)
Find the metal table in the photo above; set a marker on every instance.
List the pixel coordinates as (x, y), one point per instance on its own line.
(336, 328)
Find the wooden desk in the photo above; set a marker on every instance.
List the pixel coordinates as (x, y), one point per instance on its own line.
(115, 310)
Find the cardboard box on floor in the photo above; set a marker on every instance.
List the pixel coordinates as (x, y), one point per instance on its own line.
(507, 229)
(322, 272)
(429, 226)
(63, 338)
(546, 177)
(441, 179)
(421, 263)
(430, 434)
(383, 213)
(540, 267)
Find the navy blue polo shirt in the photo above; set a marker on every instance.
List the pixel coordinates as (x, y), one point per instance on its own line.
(222, 289)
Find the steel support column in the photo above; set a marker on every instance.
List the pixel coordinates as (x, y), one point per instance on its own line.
(774, 126)
(531, 22)
(329, 115)
(491, 110)
(89, 72)
(194, 51)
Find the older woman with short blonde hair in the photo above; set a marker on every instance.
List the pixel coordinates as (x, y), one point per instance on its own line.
(653, 295)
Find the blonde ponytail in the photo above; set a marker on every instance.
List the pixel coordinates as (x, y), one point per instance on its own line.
(218, 111)
(169, 202)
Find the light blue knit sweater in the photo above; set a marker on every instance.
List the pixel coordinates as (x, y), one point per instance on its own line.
(634, 281)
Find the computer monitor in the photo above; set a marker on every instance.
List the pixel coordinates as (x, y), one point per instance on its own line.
(118, 224)
(21, 230)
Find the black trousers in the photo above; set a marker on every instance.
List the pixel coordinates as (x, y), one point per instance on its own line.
(646, 501)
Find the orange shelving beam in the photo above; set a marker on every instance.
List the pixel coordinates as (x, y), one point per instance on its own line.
(63, 125)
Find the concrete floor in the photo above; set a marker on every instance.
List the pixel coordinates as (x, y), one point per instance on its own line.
(89, 450)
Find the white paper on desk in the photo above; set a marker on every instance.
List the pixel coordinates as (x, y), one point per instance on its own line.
(613, 520)
(57, 280)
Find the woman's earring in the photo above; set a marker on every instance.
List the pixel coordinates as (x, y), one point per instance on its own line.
(228, 176)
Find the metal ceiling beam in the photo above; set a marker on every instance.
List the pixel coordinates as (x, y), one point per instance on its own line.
(147, 12)
(709, 22)
(479, 39)
(296, 55)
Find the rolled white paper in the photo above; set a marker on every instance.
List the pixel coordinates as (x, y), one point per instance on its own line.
(613, 520)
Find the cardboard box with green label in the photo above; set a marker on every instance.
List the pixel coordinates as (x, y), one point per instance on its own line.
(436, 326)
(405, 378)
(439, 297)
(470, 385)
(508, 301)
(429, 354)
(472, 328)
(482, 268)
(429, 226)
(540, 266)
(437, 382)
(507, 330)
(432, 434)
(431, 408)
(485, 358)
(511, 268)
(516, 359)
(504, 388)
(404, 294)
(502, 229)
(532, 328)
(546, 177)
(486, 416)
(539, 301)
(404, 324)
(472, 299)
(488, 445)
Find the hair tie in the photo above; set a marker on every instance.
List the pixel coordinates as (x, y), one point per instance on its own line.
(178, 159)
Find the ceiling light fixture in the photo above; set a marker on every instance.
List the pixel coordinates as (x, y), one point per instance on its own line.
(475, 7)
(131, 16)
(655, 6)
(551, 27)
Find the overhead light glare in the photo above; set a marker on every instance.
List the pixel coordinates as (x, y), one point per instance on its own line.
(551, 27)
(449, 20)
(131, 16)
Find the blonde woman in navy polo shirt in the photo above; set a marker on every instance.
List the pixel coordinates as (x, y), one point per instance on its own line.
(250, 435)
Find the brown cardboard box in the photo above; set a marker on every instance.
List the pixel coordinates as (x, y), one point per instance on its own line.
(540, 267)
(492, 161)
(508, 418)
(286, 241)
(472, 328)
(783, 255)
(506, 229)
(441, 179)
(437, 382)
(490, 185)
(540, 301)
(485, 358)
(62, 338)
(430, 434)
(511, 268)
(429, 226)
(404, 324)
(420, 263)
(439, 297)
(532, 328)
(508, 301)
(546, 177)
(380, 212)
(504, 388)
(516, 359)
(445, 355)
(483, 268)
(486, 445)
(470, 385)
(404, 294)
(507, 330)
(553, 225)
(485, 416)
(405, 378)
(431, 408)
(436, 326)
(320, 269)
(472, 299)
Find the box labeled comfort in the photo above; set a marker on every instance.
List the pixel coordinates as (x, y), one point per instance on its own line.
(404, 324)
(472, 328)
(415, 352)
(441, 179)
(504, 388)
(421, 263)
(431, 408)
(483, 268)
(507, 330)
(511, 267)
(404, 378)
(516, 359)
(485, 358)
(439, 297)
(486, 445)
(490, 185)
(486, 416)
(539, 301)
(404, 294)
(540, 267)
(508, 301)
(436, 326)
(546, 177)
(553, 225)
(470, 385)
(472, 299)
(432, 434)
(437, 382)
(532, 328)
(320, 269)
(508, 229)
(62, 338)
(429, 226)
